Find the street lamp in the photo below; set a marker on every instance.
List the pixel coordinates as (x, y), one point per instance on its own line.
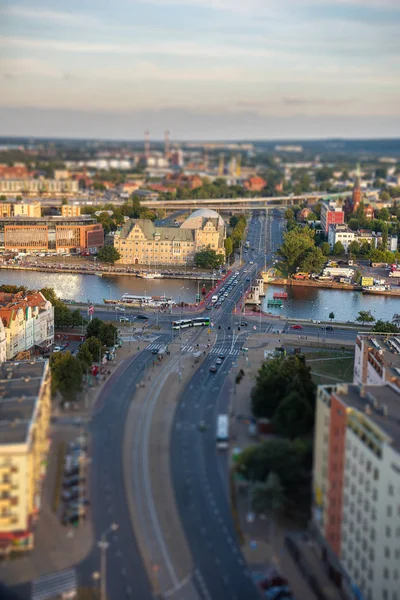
(103, 545)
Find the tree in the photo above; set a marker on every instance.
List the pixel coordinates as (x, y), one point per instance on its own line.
(295, 246)
(228, 246)
(109, 254)
(62, 314)
(294, 416)
(85, 356)
(108, 334)
(93, 328)
(338, 249)
(354, 247)
(313, 261)
(385, 327)
(354, 224)
(289, 214)
(364, 316)
(383, 214)
(208, 259)
(325, 248)
(331, 316)
(324, 174)
(357, 276)
(385, 197)
(385, 237)
(268, 496)
(95, 347)
(66, 375)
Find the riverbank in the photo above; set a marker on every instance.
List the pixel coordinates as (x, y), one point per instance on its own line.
(334, 285)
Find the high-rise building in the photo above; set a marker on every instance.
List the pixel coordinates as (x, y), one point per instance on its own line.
(356, 487)
(25, 406)
(377, 359)
(70, 210)
(331, 214)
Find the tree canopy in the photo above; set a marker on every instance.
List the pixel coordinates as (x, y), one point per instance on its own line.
(109, 254)
(364, 316)
(208, 259)
(385, 327)
(297, 244)
(66, 375)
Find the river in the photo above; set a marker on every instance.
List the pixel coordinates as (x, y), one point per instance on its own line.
(302, 303)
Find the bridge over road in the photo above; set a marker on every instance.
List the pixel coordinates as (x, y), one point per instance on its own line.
(241, 203)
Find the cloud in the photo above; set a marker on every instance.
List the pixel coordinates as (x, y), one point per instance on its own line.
(28, 66)
(53, 16)
(295, 101)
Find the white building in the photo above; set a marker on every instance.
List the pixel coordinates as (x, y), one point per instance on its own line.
(340, 233)
(356, 484)
(3, 343)
(377, 359)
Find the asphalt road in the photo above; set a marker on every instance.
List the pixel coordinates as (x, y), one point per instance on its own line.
(126, 576)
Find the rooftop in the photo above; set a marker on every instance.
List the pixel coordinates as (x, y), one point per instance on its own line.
(385, 349)
(381, 403)
(20, 384)
(150, 231)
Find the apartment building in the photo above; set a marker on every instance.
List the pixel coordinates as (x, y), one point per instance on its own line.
(340, 233)
(331, 214)
(20, 209)
(54, 234)
(25, 406)
(70, 210)
(140, 242)
(377, 359)
(28, 322)
(31, 186)
(356, 488)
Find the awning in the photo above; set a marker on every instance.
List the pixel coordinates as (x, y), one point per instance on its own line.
(53, 585)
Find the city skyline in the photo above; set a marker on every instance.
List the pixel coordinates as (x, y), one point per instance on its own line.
(205, 70)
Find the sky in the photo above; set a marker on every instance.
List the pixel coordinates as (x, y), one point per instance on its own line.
(204, 69)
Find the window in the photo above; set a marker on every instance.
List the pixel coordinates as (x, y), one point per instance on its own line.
(391, 490)
(386, 573)
(387, 552)
(389, 511)
(376, 474)
(388, 531)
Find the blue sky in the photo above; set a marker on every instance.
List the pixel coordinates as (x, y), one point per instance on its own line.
(201, 68)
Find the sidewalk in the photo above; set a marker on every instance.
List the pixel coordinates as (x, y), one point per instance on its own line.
(264, 538)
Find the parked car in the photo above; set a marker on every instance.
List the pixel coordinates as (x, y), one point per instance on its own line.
(73, 493)
(296, 327)
(120, 308)
(73, 481)
(76, 504)
(142, 317)
(71, 518)
(57, 349)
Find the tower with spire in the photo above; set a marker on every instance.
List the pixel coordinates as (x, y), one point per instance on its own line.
(356, 196)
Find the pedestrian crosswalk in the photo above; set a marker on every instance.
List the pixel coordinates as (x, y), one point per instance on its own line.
(225, 350)
(187, 349)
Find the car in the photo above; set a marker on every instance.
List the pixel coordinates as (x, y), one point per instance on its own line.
(252, 262)
(329, 328)
(209, 307)
(57, 349)
(243, 324)
(142, 317)
(247, 278)
(76, 504)
(278, 593)
(296, 327)
(237, 273)
(73, 493)
(72, 518)
(123, 320)
(64, 346)
(154, 351)
(120, 308)
(218, 361)
(213, 369)
(221, 356)
(73, 481)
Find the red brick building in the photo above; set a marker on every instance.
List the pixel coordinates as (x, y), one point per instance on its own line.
(254, 184)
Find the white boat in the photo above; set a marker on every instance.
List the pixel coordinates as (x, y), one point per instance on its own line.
(154, 275)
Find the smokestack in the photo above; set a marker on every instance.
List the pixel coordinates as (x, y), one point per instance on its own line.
(166, 147)
(147, 144)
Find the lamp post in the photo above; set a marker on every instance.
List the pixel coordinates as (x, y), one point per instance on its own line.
(103, 545)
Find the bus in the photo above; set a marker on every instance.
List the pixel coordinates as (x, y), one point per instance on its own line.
(182, 324)
(201, 321)
(222, 432)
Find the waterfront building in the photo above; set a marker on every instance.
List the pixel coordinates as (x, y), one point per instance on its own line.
(331, 214)
(31, 186)
(139, 241)
(377, 359)
(70, 210)
(28, 323)
(20, 209)
(340, 233)
(54, 234)
(356, 487)
(25, 406)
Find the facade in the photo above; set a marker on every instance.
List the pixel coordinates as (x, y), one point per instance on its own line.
(254, 184)
(28, 322)
(377, 359)
(54, 234)
(3, 343)
(20, 209)
(331, 214)
(340, 233)
(356, 487)
(31, 186)
(70, 210)
(140, 242)
(25, 407)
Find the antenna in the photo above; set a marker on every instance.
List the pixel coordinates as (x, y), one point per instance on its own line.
(147, 143)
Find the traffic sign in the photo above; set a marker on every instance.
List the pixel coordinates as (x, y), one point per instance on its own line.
(90, 309)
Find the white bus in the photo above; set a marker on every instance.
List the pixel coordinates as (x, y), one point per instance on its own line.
(182, 324)
(222, 432)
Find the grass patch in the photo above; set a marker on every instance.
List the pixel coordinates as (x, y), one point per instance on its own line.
(59, 475)
(328, 354)
(329, 371)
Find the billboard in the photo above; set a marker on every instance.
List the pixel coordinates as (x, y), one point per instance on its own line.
(367, 281)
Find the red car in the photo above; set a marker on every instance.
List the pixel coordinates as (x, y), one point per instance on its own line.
(296, 327)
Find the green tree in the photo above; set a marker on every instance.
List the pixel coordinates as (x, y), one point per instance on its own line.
(364, 316)
(357, 276)
(85, 356)
(385, 197)
(95, 348)
(66, 375)
(354, 247)
(323, 174)
(228, 246)
(354, 224)
(385, 237)
(269, 495)
(331, 316)
(338, 249)
(294, 416)
(313, 261)
(93, 328)
(325, 248)
(383, 214)
(109, 254)
(385, 327)
(296, 244)
(108, 334)
(289, 214)
(208, 259)
(135, 206)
